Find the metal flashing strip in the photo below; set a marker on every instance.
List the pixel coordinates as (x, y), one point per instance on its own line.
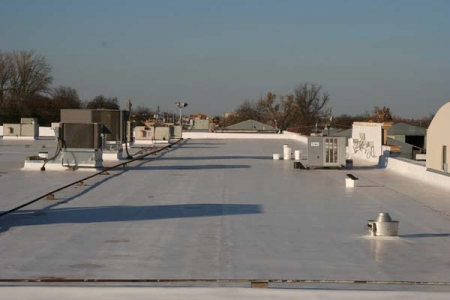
(237, 280)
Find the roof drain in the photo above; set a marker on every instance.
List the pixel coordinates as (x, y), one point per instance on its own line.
(383, 226)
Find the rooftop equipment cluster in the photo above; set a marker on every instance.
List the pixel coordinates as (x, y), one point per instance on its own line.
(86, 136)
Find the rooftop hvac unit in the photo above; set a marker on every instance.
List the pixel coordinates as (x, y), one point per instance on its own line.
(82, 144)
(28, 121)
(163, 133)
(326, 151)
(81, 136)
(115, 120)
(29, 128)
(112, 120)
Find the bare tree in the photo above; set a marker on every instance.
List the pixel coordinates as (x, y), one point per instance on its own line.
(141, 114)
(382, 114)
(426, 121)
(66, 97)
(346, 120)
(278, 113)
(5, 73)
(30, 74)
(103, 102)
(310, 103)
(24, 81)
(249, 110)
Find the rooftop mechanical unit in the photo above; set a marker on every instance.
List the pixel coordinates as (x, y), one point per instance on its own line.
(81, 144)
(326, 151)
(81, 136)
(117, 121)
(28, 128)
(156, 133)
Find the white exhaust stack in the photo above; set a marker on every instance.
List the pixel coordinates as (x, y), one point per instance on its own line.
(287, 153)
(298, 155)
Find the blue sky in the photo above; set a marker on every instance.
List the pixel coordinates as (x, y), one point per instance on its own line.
(216, 54)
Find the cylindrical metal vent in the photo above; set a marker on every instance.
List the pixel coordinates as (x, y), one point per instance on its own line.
(384, 217)
(383, 225)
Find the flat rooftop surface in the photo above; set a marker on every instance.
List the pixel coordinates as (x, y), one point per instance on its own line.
(219, 209)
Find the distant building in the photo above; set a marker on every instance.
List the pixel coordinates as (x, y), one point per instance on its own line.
(407, 133)
(250, 126)
(438, 141)
(198, 117)
(410, 138)
(200, 124)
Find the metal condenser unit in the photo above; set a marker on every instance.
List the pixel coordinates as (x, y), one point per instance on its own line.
(326, 151)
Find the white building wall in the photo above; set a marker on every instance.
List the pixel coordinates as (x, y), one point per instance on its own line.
(366, 141)
(437, 137)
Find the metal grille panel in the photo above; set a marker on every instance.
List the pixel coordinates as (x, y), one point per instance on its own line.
(111, 119)
(81, 135)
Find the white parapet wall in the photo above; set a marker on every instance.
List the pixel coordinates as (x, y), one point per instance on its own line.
(49, 132)
(219, 135)
(412, 169)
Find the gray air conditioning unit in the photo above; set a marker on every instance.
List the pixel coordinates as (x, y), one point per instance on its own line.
(115, 120)
(81, 136)
(112, 120)
(81, 145)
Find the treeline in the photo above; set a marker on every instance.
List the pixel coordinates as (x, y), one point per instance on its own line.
(305, 111)
(298, 111)
(379, 114)
(26, 90)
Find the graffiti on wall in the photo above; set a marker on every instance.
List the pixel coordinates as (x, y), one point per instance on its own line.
(364, 146)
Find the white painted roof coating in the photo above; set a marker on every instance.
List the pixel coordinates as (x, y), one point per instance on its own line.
(221, 209)
(74, 293)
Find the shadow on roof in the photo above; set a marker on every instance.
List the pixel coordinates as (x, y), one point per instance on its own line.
(203, 143)
(199, 147)
(366, 167)
(124, 214)
(215, 157)
(425, 235)
(190, 167)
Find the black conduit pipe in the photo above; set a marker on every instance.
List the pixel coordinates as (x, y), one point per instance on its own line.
(86, 178)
